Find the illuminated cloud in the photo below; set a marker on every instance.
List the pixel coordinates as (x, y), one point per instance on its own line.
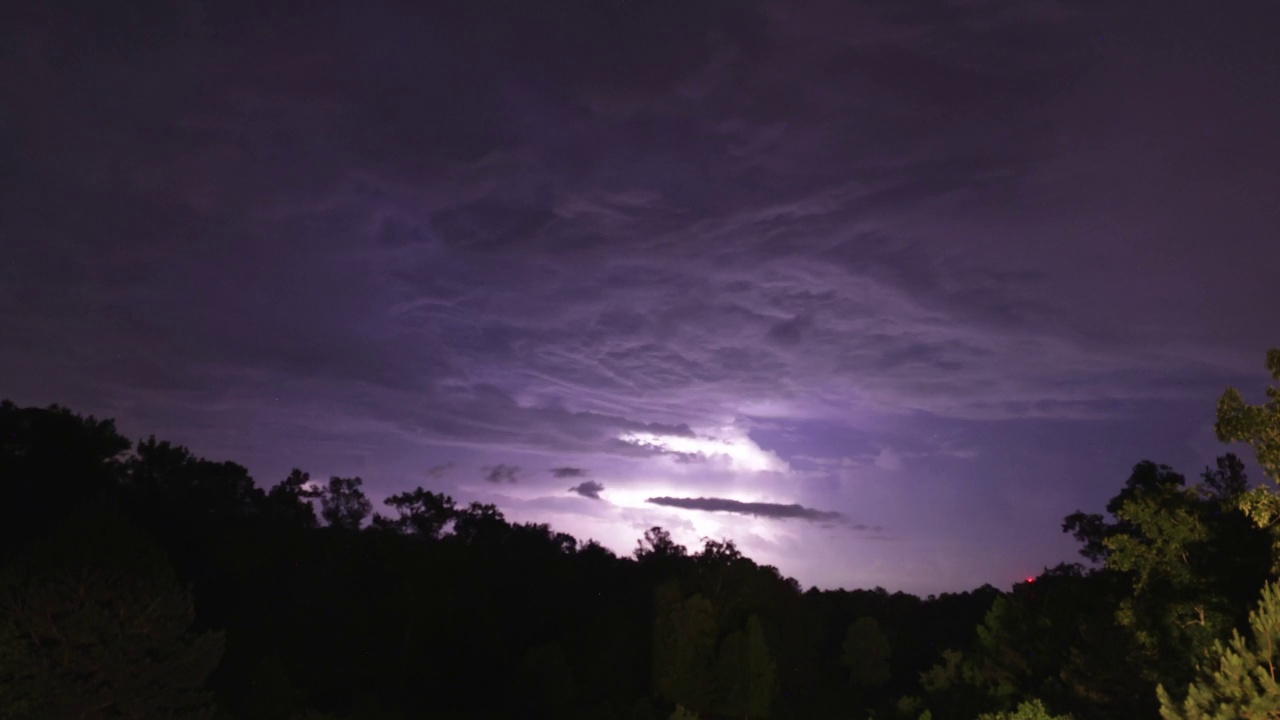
(731, 447)
(568, 472)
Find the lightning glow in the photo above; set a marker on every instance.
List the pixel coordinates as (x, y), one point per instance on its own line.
(730, 446)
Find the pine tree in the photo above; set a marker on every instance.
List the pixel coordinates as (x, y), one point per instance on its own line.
(1029, 710)
(1239, 679)
(94, 625)
(681, 713)
(866, 653)
(745, 674)
(683, 646)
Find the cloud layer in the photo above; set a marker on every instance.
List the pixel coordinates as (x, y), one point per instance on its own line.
(970, 259)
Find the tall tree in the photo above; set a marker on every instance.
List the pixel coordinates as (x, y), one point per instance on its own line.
(1029, 710)
(681, 713)
(290, 501)
(1257, 425)
(744, 673)
(51, 460)
(184, 495)
(1193, 560)
(866, 653)
(422, 512)
(684, 643)
(1239, 677)
(547, 681)
(481, 524)
(1227, 481)
(1093, 531)
(657, 544)
(343, 504)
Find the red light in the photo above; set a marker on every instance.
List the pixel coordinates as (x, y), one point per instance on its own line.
(1031, 579)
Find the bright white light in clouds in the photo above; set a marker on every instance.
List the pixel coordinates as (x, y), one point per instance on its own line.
(729, 445)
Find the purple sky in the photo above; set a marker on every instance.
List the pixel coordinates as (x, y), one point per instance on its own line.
(879, 290)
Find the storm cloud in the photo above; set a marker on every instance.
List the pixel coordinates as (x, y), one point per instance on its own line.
(379, 237)
(756, 509)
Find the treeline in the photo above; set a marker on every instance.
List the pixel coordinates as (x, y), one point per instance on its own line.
(140, 581)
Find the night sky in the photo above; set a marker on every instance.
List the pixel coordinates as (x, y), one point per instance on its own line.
(879, 290)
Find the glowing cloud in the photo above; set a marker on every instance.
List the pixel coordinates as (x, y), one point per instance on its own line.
(730, 446)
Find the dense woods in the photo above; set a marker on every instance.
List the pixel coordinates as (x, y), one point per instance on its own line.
(141, 581)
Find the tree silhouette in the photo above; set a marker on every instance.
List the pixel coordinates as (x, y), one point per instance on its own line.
(866, 653)
(422, 512)
(684, 643)
(289, 501)
(744, 673)
(51, 460)
(658, 545)
(343, 504)
(547, 681)
(93, 624)
(680, 713)
(1227, 481)
(480, 524)
(1029, 710)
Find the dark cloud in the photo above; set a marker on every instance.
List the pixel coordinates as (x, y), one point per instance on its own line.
(436, 472)
(791, 331)
(588, 489)
(756, 509)
(501, 473)
(568, 472)
(826, 261)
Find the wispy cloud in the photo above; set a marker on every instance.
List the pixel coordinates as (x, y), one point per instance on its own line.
(511, 277)
(888, 459)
